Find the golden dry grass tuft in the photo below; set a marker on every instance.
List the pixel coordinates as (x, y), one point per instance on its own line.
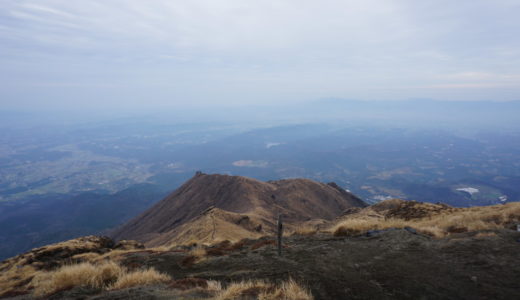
(214, 286)
(259, 289)
(16, 273)
(289, 289)
(83, 274)
(14, 278)
(140, 277)
(438, 225)
(106, 275)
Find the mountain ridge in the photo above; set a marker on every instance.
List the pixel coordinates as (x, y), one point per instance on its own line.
(297, 200)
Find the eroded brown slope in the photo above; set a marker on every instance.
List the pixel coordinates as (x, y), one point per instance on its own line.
(297, 199)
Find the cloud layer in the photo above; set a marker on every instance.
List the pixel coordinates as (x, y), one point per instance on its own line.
(169, 53)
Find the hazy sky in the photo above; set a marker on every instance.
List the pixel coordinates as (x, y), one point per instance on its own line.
(144, 53)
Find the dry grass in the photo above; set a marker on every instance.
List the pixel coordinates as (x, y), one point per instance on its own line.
(305, 230)
(289, 290)
(86, 257)
(117, 255)
(259, 289)
(13, 278)
(163, 248)
(198, 252)
(236, 290)
(140, 277)
(16, 273)
(107, 275)
(84, 274)
(485, 234)
(195, 255)
(441, 225)
(214, 286)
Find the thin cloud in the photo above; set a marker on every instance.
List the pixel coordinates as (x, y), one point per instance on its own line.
(268, 50)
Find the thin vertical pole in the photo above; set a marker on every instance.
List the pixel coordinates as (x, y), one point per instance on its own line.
(280, 232)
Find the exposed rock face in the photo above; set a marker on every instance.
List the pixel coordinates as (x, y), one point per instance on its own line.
(254, 201)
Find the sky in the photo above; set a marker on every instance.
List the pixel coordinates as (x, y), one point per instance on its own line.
(99, 54)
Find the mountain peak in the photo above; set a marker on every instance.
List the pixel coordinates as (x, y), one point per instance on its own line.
(297, 200)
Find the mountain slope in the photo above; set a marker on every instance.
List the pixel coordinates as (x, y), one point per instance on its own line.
(297, 200)
(366, 260)
(214, 225)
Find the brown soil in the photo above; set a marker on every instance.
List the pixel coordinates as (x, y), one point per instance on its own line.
(243, 206)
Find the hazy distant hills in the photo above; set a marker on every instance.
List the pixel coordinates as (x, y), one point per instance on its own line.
(422, 112)
(210, 207)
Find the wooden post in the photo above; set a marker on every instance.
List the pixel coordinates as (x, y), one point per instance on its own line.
(280, 233)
